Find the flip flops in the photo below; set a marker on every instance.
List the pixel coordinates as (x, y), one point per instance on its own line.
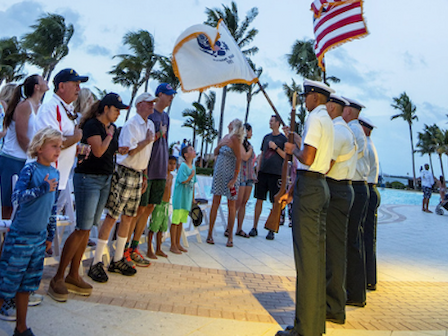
(210, 241)
(243, 234)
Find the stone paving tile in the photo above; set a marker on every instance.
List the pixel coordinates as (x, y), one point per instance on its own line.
(394, 306)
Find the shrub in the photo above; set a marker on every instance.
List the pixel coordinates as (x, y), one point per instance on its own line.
(204, 171)
(397, 185)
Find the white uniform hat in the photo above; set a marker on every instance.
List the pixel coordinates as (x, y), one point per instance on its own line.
(354, 103)
(363, 121)
(319, 87)
(338, 100)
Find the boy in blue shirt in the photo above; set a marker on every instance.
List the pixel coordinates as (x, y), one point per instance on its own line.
(22, 260)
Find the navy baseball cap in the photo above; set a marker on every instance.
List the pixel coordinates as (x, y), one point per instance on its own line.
(68, 75)
(113, 99)
(166, 89)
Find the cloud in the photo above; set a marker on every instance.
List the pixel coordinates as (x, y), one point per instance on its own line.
(17, 19)
(97, 50)
(413, 61)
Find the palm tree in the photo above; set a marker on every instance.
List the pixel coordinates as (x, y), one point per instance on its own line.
(196, 119)
(141, 43)
(210, 101)
(12, 60)
(301, 115)
(48, 43)
(133, 70)
(304, 61)
(240, 32)
(408, 112)
(426, 145)
(249, 90)
(166, 75)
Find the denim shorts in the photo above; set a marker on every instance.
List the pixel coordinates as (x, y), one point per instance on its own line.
(247, 183)
(91, 193)
(8, 167)
(22, 262)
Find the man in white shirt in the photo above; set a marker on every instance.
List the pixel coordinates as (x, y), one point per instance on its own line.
(427, 183)
(356, 278)
(136, 139)
(311, 199)
(374, 202)
(343, 166)
(59, 114)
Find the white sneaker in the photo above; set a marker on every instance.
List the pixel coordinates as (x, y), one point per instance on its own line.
(8, 310)
(35, 299)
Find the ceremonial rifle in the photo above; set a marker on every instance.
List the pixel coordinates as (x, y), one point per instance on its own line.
(273, 221)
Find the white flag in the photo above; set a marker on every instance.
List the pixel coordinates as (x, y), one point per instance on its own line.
(205, 57)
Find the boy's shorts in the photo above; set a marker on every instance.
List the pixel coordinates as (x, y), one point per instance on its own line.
(159, 217)
(22, 262)
(154, 192)
(179, 216)
(125, 192)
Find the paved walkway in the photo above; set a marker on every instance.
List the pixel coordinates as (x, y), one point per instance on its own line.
(249, 289)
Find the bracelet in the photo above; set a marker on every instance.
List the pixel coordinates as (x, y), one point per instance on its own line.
(276, 148)
(145, 176)
(110, 135)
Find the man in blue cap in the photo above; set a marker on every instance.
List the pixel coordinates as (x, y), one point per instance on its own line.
(155, 176)
(311, 200)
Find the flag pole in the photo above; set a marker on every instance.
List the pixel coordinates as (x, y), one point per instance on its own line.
(272, 104)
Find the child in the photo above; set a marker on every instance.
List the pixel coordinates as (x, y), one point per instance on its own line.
(159, 217)
(182, 197)
(22, 260)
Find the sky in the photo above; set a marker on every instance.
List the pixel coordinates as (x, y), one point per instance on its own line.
(404, 52)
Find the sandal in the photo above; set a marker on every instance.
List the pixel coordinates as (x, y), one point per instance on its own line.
(229, 244)
(210, 241)
(226, 233)
(243, 234)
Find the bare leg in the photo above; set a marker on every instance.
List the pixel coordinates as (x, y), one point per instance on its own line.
(71, 246)
(173, 233)
(179, 234)
(159, 251)
(150, 253)
(231, 219)
(213, 213)
(22, 308)
(106, 227)
(142, 221)
(242, 209)
(140, 211)
(258, 208)
(77, 258)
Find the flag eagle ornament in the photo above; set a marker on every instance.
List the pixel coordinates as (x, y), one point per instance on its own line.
(206, 56)
(336, 22)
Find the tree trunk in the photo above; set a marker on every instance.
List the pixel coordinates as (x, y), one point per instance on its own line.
(441, 165)
(202, 153)
(200, 96)
(221, 118)
(134, 93)
(169, 108)
(430, 163)
(249, 98)
(194, 136)
(413, 154)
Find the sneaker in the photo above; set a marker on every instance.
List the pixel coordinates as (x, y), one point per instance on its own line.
(97, 273)
(127, 255)
(8, 310)
(138, 259)
(27, 332)
(57, 290)
(122, 266)
(78, 286)
(253, 232)
(35, 299)
(270, 235)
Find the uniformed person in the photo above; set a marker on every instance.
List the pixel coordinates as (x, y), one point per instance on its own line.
(311, 198)
(374, 203)
(343, 166)
(356, 278)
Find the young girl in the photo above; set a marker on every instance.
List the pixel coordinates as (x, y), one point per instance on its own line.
(22, 260)
(182, 197)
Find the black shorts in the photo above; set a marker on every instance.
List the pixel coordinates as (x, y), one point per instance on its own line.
(267, 182)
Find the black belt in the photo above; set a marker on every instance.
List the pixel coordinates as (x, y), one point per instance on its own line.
(372, 184)
(359, 182)
(309, 173)
(344, 182)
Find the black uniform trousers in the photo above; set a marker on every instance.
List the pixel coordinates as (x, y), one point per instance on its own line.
(370, 234)
(311, 199)
(356, 268)
(341, 200)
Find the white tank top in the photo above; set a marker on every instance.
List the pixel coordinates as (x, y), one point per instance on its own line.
(11, 146)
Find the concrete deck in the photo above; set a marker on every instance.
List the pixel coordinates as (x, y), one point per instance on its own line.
(249, 289)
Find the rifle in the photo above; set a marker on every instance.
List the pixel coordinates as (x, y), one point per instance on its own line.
(273, 221)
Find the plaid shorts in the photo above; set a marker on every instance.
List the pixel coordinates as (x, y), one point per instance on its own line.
(22, 262)
(125, 192)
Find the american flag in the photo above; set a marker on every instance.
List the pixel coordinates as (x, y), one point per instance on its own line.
(336, 22)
